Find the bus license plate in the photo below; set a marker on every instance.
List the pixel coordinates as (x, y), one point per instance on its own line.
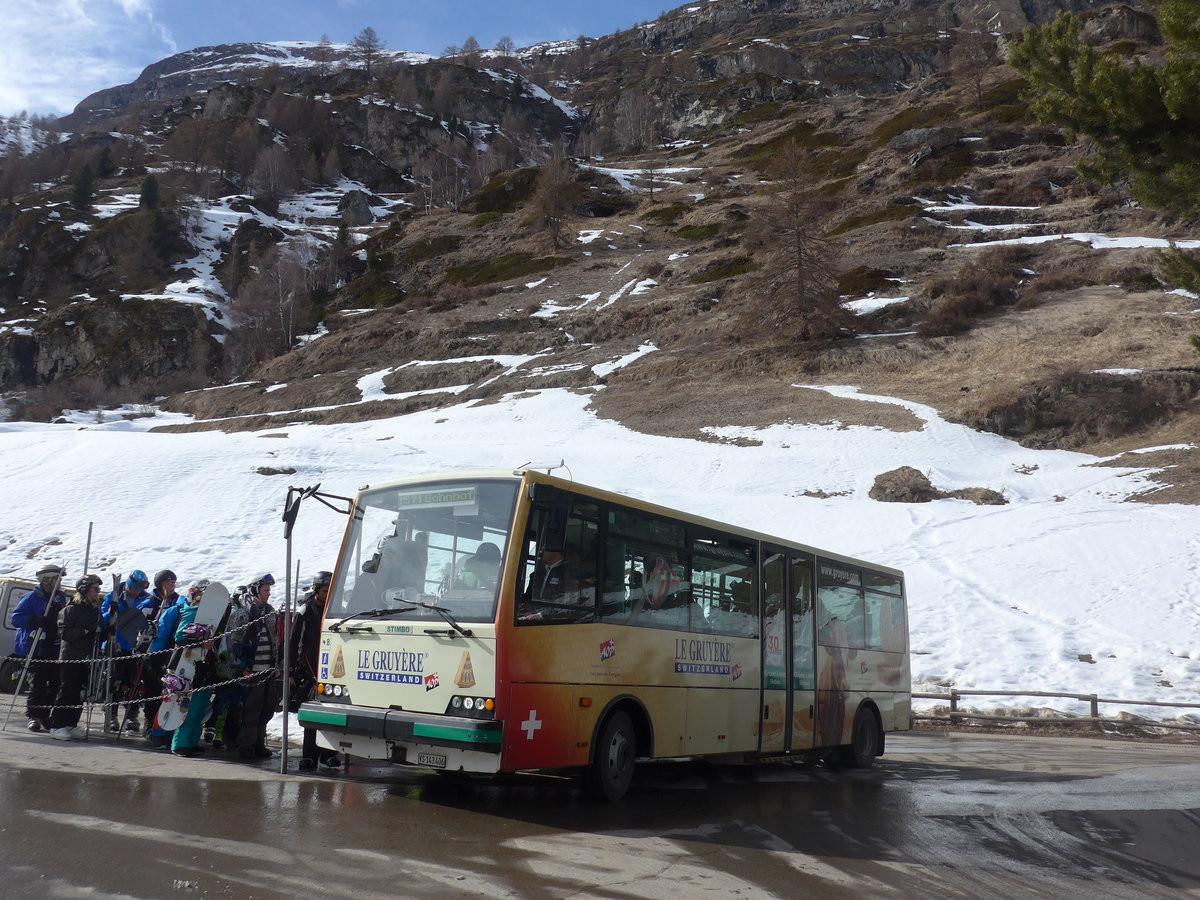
(432, 760)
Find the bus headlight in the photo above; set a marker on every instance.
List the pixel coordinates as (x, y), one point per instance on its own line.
(474, 707)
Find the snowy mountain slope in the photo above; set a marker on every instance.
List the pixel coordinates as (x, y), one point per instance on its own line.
(1067, 587)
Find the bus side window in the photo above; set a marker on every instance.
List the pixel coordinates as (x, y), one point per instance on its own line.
(840, 621)
(560, 566)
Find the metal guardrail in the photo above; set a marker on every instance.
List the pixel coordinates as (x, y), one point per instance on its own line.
(1094, 700)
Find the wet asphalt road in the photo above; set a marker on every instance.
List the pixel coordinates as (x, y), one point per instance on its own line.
(940, 816)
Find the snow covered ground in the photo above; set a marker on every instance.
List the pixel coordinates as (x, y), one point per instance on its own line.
(1069, 587)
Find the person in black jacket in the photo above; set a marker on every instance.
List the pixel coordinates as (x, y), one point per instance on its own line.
(305, 649)
(77, 626)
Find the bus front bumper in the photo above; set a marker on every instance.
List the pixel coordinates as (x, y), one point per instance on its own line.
(407, 738)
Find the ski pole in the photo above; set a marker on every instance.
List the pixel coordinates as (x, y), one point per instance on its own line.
(111, 632)
(93, 678)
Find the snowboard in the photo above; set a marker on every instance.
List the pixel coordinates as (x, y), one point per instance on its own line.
(175, 703)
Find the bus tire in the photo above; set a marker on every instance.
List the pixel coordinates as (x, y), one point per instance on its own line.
(611, 770)
(864, 741)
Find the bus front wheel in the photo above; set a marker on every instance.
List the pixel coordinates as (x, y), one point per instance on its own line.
(864, 741)
(611, 771)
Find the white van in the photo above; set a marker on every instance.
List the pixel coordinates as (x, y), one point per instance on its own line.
(11, 592)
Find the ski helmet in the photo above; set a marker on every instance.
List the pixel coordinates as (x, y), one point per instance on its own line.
(163, 575)
(137, 578)
(258, 582)
(322, 579)
(86, 582)
(196, 588)
(194, 633)
(175, 684)
(50, 571)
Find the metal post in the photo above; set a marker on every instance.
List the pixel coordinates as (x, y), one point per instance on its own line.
(87, 553)
(288, 602)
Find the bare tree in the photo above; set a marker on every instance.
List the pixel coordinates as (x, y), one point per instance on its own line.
(470, 52)
(653, 174)
(553, 196)
(367, 47)
(796, 283)
(271, 306)
(638, 115)
(506, 47)
(444, 174)
(274, 175)
(446, 93)
(973, 55)
(323, 55)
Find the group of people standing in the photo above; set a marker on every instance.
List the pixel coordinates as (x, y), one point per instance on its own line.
(231, 693)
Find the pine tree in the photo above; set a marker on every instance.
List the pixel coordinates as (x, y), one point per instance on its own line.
(1143, 119)
(149, 197)
(104, 164)
(83, 189)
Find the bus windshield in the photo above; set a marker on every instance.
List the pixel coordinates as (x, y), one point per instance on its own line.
(420, 550)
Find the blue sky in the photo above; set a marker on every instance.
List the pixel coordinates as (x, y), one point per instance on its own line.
(53, 53)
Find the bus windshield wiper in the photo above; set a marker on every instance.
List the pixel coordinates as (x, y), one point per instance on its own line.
(366, 613)
(445, 614)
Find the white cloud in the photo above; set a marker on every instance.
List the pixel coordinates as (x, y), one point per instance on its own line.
(53, 53)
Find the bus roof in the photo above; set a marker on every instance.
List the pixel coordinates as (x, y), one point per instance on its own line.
(531, 476)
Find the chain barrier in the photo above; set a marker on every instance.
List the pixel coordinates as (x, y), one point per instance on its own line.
(98, 704)
(129, 657)
(134, 656)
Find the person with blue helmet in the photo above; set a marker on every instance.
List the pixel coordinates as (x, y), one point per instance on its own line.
(132, 593)
(164, 639)
(196, 639)
(163, 599)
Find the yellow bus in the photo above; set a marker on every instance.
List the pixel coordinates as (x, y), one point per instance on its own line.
(498, 621)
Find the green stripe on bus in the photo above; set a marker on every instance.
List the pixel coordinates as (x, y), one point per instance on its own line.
(322, 718)
(447, 733)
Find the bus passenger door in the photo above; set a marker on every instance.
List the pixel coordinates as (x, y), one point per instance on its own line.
(776, 661)
(789, 662)
(803, 651)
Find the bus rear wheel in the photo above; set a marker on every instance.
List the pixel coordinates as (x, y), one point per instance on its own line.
(864, 741)
(611, 771)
